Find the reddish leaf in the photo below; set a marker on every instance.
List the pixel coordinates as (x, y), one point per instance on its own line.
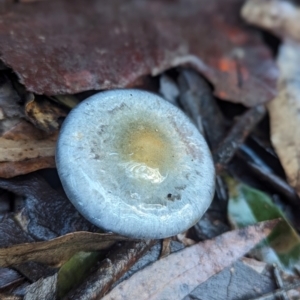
(59, 47)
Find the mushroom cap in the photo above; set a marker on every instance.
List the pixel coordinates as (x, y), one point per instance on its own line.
(134, 164)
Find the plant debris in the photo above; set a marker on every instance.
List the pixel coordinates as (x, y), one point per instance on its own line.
(57, 251)
(104, 48)
(179, 273)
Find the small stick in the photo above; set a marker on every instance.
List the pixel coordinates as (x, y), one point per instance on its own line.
(237, 135)
(277, 183)
(278, 292)
(279, 282)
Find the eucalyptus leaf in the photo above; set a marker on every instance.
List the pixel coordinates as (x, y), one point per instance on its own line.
(248, 206)
(75, 270)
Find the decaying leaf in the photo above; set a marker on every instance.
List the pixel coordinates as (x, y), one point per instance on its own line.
(9, 277)
(111, 269)
(112, 44)
(245, 279)
(45, 213)
(57, 251)
(75, 270)
(23, 147)
(15, 168)
(44, 114)
(45, 288)
(175, 276)
(11, 233)
(248, 206)
(281, 17)
(19, 150)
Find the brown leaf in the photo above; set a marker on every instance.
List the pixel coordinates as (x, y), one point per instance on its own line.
(112, 44)
(57, 251)
(19, 150)
(282, 18)
(284, 113)
(44, 114)
(177, 275)
(23, 147)
(12, 169)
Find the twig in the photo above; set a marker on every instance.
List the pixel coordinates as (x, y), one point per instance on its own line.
(278, 292)
(276, 182)
(279, 282)
(237, 135)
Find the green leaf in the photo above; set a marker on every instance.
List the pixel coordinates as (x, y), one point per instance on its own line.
(248, 206)
(75, 270)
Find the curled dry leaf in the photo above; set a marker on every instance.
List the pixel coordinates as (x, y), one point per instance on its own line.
(282, 17)
(44, 114)
(57, 251)
(23, 147)
(279, 16)
(113, 44)
(179, 273)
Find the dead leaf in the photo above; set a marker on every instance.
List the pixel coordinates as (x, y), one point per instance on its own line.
(57, 251)
(19, 150)
(280, 16)
(44, 114)
(12, 169)
(239, 281)
(45, 289)
(45, 213)
(113, 44)
(179, 273)
(11, 233)
(23, 147)
(9, 277)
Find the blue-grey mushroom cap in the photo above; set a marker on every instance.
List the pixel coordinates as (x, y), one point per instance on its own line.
(134, 164)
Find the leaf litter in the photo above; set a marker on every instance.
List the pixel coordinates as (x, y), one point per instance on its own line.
(282, 18)
(57, 251)
(23, 147)
(179, 273)
(104, 48)
(233, 57)
(248, 206)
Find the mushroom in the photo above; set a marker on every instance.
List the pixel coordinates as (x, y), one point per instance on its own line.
(134, 164)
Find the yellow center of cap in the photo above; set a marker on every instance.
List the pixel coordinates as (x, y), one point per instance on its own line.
(148, 147)
(146, 152)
